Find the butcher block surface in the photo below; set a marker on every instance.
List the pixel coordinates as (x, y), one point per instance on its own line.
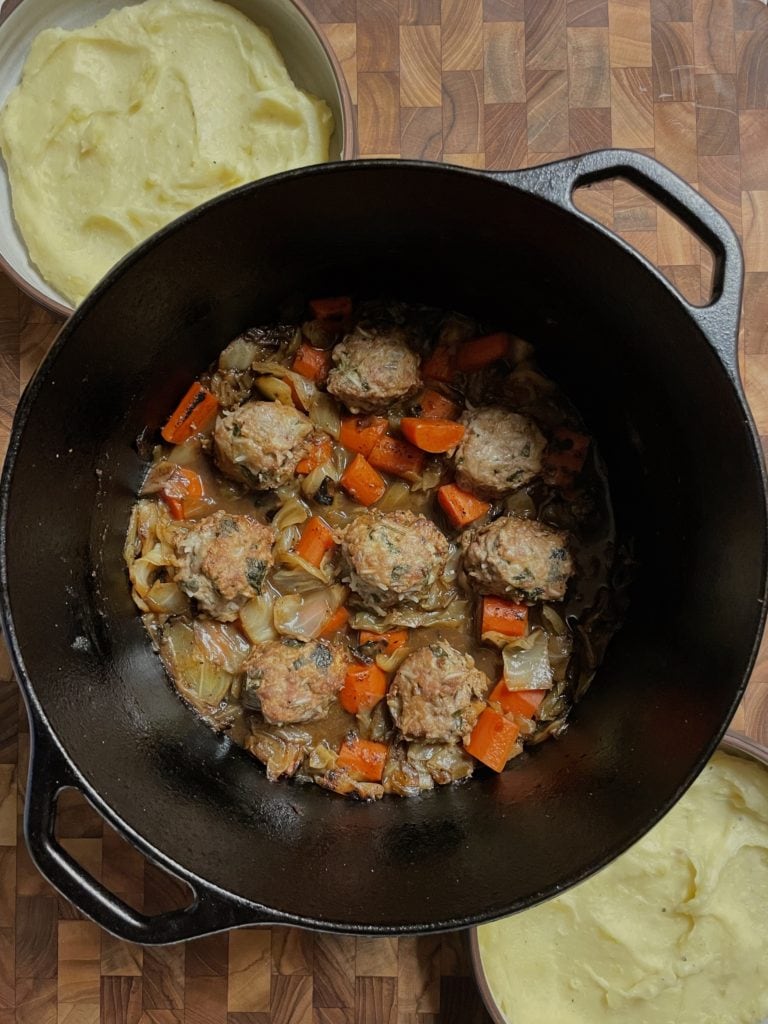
(494, 84)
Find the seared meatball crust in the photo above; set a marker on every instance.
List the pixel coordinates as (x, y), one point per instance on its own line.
(293, 681)
(222, 561)
(499, 452)
(523, 558)
(437, 694)
(261, 443)
(390, 558)
(374, 368)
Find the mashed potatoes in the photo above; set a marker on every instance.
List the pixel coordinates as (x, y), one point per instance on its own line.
(673, 932)
(118, 128)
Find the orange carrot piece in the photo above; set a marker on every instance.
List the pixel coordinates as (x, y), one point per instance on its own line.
(435, 406)
(440, 365)
(481, 352)
(493, 739)
(193, 414)
(316, 539)
(361, 434)
(364, 757)
(501, 616)
(432, 435)
(461, 507)
(182, 487)
(397, 457)
(364, 686)
(393, 640)
(336, 308)
(517, 702)
(320, 451)
(312, 363)
(337, 621)
(567, 451)
(361, 481)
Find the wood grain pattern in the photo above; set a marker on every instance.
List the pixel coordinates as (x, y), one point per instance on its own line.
(481, 83)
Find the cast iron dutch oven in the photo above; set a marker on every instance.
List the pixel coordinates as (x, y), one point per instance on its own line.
(657, 382)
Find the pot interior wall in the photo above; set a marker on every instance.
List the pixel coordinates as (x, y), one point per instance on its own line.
(686, 488)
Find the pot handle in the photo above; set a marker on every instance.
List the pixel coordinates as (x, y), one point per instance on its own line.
(209, 911)
(719, 319)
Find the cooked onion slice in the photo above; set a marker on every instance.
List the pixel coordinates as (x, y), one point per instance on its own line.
(303, 616)
(526, 663)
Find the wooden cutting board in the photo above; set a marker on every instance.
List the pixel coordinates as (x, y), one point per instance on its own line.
(499, 83)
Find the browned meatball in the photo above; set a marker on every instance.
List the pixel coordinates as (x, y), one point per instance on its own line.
(520, 557)
(292, 681)
(373, 368)
(393, 557)
(437, 694)
(222, 561)
(261, 443)
(500, 452)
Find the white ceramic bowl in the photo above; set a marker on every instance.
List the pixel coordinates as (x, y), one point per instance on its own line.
(309, 59)
(733, 743)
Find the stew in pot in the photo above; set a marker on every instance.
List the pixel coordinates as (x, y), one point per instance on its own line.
(377, 548)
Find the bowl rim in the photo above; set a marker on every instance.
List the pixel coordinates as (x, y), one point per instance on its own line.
(347, 150)
(733, 742)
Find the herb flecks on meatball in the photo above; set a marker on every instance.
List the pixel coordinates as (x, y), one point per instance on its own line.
(261, 443)
(222, 562)
(374, 367)
(500, 452)
(391, 558)
(437, 694)
(291, 681)
(523, 558)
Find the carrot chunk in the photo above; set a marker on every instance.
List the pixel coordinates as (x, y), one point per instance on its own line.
(493, 739)
(399, 458)
(336, 308)
(312, 363)
(501, 616)
(461, 507)
(321, 449)
(364, 686)
(565, 456)
(517, 702)
(393, 640)
(481, 352)
(361, 481)
(439, 365)
(180, 491)
(361, 434)
(193, 414)
(364, 757)
(316, 539)
(435, 406)
(337, 621)
(432, 435)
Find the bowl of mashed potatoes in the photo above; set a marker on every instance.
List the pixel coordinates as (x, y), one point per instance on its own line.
(116, 119)
(674, 930)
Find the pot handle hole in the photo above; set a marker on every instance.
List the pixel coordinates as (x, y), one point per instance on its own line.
(208, 911)
(557, 182)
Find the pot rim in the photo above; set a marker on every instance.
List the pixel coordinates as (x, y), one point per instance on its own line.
(347, 148)
(733, 742)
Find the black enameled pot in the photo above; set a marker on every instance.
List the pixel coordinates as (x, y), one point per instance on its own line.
(656, 380)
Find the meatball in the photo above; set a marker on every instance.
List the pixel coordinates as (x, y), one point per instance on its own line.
(292, 681)
(521, 557)
(261, 443)
(437, 694)
(500, 452)
(394, 557)
(222, 561)
(373, 369)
